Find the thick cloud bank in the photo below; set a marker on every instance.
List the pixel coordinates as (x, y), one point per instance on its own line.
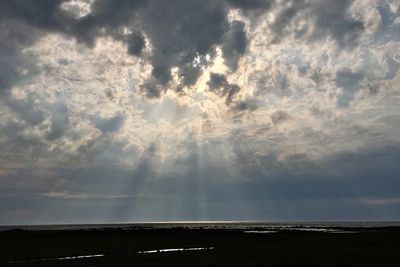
(187, 109)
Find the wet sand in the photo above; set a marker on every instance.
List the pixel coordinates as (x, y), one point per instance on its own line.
(202, 246)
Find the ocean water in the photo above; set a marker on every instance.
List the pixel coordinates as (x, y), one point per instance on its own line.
(222, 225)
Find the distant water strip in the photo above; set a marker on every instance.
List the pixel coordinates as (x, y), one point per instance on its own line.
(60, 259)
(173, 250)
(260, 232)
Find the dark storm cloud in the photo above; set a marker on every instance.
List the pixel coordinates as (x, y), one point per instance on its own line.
(234, 45)
(41, 13)
(136, 44)
(217, 81)
(332, 19)
(250, 4)
(180, 32)
(219, 85)
(328, 18)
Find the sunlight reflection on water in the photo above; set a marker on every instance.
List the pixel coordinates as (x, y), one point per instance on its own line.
(173, 250)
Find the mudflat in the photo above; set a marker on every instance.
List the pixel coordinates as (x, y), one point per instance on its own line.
(201, 246)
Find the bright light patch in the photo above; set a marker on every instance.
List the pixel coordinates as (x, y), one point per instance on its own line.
(77, 8)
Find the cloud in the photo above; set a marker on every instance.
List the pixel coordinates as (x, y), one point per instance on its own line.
(219, 85)
(136, 44)
(15, 66)
(279, 116)
(333, 18)
(318, 20)
(302, 187)
(59, 121)
(234, 45)
(251, 4)
(179, 33)
(107, 125)
(348, 81)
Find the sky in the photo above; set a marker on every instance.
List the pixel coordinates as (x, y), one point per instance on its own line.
(178, 110)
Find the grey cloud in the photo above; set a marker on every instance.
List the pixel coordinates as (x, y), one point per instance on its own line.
(109, 93)
(329, 18)
(42, 13)
(59, 121)
(234, 45)
(107, 125)
(284, 19)
(219, 85)
(388, 28)
(22, 22)
(136, 44)
(15, 141)
(189, 74)
(393, 68)
(298, 187)
(247, 104)
(348, 80)
(302, 69)
(178, 31)
(31, 111)
(279, 116)
(231, 92)
(14, 66)
(351, 175)
(27, 109)
(152, 89)
(250, 4)
(333, 19)
(217, 81)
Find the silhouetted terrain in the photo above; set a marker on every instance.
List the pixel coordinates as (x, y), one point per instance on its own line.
(375, 246)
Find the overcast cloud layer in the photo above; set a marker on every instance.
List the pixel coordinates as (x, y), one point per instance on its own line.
(154, 110)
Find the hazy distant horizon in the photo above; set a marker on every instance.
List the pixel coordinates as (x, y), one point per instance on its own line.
(211, 224)
(205, 225)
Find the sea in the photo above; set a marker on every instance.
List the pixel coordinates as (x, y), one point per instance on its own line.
(221, 225)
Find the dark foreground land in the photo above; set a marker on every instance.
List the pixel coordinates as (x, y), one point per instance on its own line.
(375, 246)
